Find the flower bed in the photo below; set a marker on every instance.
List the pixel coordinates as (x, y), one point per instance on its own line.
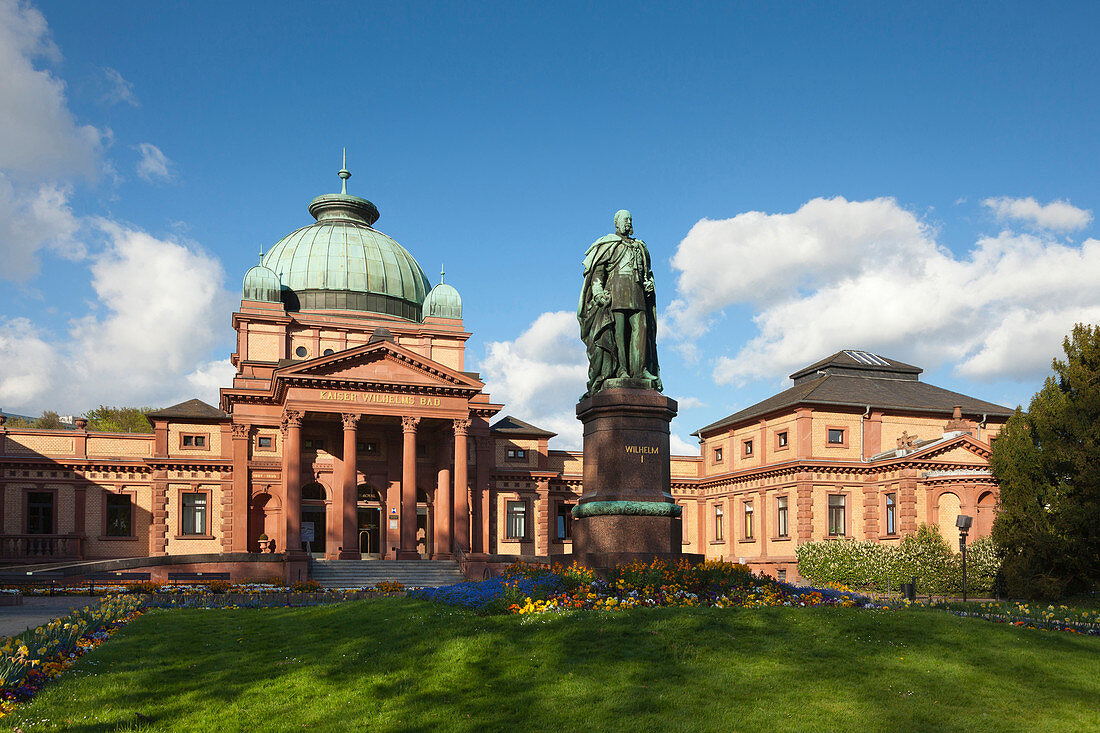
(527, 589)
(30, 660)
(535, 589)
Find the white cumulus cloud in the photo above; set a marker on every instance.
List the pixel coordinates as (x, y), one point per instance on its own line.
(154, 165)
(540, 375)
(38, 132)
(1061, 216)
(869, 274)
(32, 218)
(28, 363)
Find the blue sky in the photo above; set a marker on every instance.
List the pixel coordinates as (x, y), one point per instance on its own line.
(910, 180)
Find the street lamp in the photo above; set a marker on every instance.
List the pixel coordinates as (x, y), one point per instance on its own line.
(963, 523)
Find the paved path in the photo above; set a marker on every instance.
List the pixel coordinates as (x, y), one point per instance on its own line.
(37, 610)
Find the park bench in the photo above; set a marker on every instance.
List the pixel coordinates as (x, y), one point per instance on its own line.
(177, 578)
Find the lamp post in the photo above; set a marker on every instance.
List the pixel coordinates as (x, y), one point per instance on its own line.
(963, 523)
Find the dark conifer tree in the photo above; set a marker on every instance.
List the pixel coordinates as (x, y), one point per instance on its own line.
(1047, 462)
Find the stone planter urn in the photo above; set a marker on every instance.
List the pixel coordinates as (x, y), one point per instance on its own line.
(267, 546)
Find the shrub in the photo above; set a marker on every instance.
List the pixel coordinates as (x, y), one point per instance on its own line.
(306, 586)
(218, 586)
(924, 555)
(143, 586)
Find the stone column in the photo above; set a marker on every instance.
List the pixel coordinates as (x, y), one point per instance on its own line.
(239, 505)
(462, 485)
(158, 539)
(544, 523)
(443, 504)
(292, 481)
(907, 502)
(407, 550)
(345, 508)
(804, 505)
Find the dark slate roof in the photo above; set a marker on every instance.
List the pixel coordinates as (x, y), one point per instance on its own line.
(853, 361)
(190, 410)
(837, 390)
(511, 426)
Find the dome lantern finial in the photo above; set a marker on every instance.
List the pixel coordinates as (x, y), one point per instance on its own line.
(344, 174)
(261, 254)
(442, 272)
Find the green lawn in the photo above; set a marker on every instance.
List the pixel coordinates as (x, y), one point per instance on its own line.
(399, 664)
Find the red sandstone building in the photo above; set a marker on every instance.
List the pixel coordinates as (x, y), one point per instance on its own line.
(353, 431)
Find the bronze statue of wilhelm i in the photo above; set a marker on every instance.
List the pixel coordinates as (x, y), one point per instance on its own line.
(626, 512)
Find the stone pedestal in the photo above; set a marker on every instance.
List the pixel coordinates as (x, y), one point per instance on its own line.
(626, 512)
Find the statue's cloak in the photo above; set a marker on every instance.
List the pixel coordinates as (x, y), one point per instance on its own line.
(597, 321)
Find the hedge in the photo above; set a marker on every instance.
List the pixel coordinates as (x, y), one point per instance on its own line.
(924, 555)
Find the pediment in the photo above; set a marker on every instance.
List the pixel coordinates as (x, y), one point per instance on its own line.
(962, 449)
(379, 363)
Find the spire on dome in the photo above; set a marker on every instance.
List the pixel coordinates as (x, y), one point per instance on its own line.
(344, 174)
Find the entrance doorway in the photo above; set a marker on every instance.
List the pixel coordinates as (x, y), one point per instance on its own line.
(370, 536)
(371, 510)
(314, 514)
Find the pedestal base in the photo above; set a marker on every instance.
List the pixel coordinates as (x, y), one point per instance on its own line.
(626, 513)
(624, 533)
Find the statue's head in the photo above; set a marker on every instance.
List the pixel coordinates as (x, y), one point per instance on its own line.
(623, 223)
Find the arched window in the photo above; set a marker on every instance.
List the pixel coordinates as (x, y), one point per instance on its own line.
(313, 492)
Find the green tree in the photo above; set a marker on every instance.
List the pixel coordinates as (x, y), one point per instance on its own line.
(119, 419)
(50, 421)
(1047, 462)
(19, 422)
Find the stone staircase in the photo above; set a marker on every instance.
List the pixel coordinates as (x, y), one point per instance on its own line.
(362, 573)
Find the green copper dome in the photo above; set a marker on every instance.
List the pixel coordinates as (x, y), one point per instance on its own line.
(261, 283)
(341, 262)
(443, 301)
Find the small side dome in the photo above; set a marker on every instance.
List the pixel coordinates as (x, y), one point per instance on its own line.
(260, 283)
(444, 302)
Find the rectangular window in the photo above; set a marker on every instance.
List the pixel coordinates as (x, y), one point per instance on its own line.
(891, 513)
(719, 525)
(717, 455)
(516, 528)
(264, 441)
(313, 444)
(781, 517)
(194, 513)
(119, 515)
(517, 454)
(781, 439)
(40, 512)
(836, 515)
(565, 521)
(836, 436)
(193, 441)
(367, 447)
(748, 447)
(748, 520)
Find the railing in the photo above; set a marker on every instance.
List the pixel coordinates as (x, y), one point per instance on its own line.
(41, 547)
(463, 560)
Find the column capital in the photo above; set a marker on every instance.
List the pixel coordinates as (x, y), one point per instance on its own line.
(409, 424)
(241, 430)
(291, 419)
(350, 420)
(462, 426)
